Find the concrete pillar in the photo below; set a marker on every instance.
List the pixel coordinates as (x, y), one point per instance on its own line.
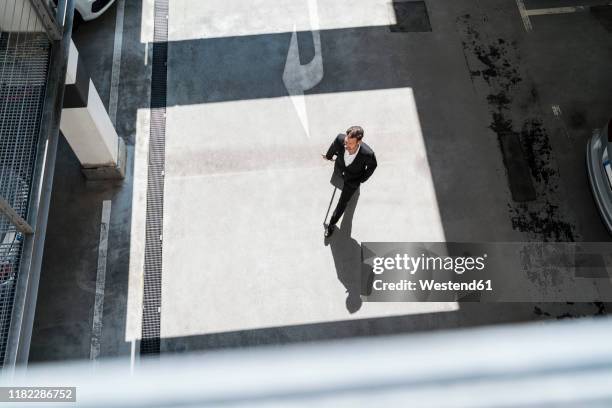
(87, 126)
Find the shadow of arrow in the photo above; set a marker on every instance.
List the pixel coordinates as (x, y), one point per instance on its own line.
(299, 78)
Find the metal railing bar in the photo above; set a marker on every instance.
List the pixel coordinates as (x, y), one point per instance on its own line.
(7, 168)
(5, 109)
(60, 13)
(2, 77)
(19, 223)
(20, 121)
(52, 28)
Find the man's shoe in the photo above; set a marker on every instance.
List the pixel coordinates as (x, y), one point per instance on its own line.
(329, 229)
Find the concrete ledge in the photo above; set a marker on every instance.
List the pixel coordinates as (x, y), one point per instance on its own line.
(116, 172)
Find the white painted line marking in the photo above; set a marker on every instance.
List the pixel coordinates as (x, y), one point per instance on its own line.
(562, 10)
(524, 15)
(96, 332)
(299, 78)
(146, 54)
(116, 69)
(556, 10)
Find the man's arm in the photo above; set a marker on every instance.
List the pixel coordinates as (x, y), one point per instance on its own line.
(369, 168)
(333, 149)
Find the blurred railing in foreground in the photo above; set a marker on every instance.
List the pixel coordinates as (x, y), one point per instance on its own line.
(565, 363)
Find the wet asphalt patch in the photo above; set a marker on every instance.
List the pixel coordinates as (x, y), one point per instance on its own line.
(533, 178)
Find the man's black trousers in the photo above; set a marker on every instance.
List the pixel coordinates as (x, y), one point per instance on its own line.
(345, 197)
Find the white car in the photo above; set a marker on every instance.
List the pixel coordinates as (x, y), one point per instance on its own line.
(86, 10)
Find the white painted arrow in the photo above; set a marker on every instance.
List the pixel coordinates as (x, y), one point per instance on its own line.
(299, 78)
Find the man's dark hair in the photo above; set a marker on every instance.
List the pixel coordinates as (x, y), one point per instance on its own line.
(355, 132)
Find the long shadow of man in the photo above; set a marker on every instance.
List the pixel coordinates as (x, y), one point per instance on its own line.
(346, 252)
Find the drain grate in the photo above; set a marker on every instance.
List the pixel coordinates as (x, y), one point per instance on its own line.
(151, 311)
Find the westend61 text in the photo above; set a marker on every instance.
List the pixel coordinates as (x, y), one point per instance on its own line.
(430, 284)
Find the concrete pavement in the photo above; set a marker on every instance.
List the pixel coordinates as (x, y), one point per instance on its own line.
(246, 189)
(244, 257)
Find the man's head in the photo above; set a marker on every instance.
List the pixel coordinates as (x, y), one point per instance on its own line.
(354, 134)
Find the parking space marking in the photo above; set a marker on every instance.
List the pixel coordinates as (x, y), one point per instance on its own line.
(526, 13)
(524, 16)
(116, 68)
(556, 10)
(96, 332)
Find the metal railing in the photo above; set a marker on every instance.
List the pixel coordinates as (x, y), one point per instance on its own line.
(27, 31)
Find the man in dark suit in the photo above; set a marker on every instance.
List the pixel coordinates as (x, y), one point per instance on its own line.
(355, 163)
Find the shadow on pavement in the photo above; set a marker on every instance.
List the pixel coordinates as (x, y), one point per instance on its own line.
(346, 252)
